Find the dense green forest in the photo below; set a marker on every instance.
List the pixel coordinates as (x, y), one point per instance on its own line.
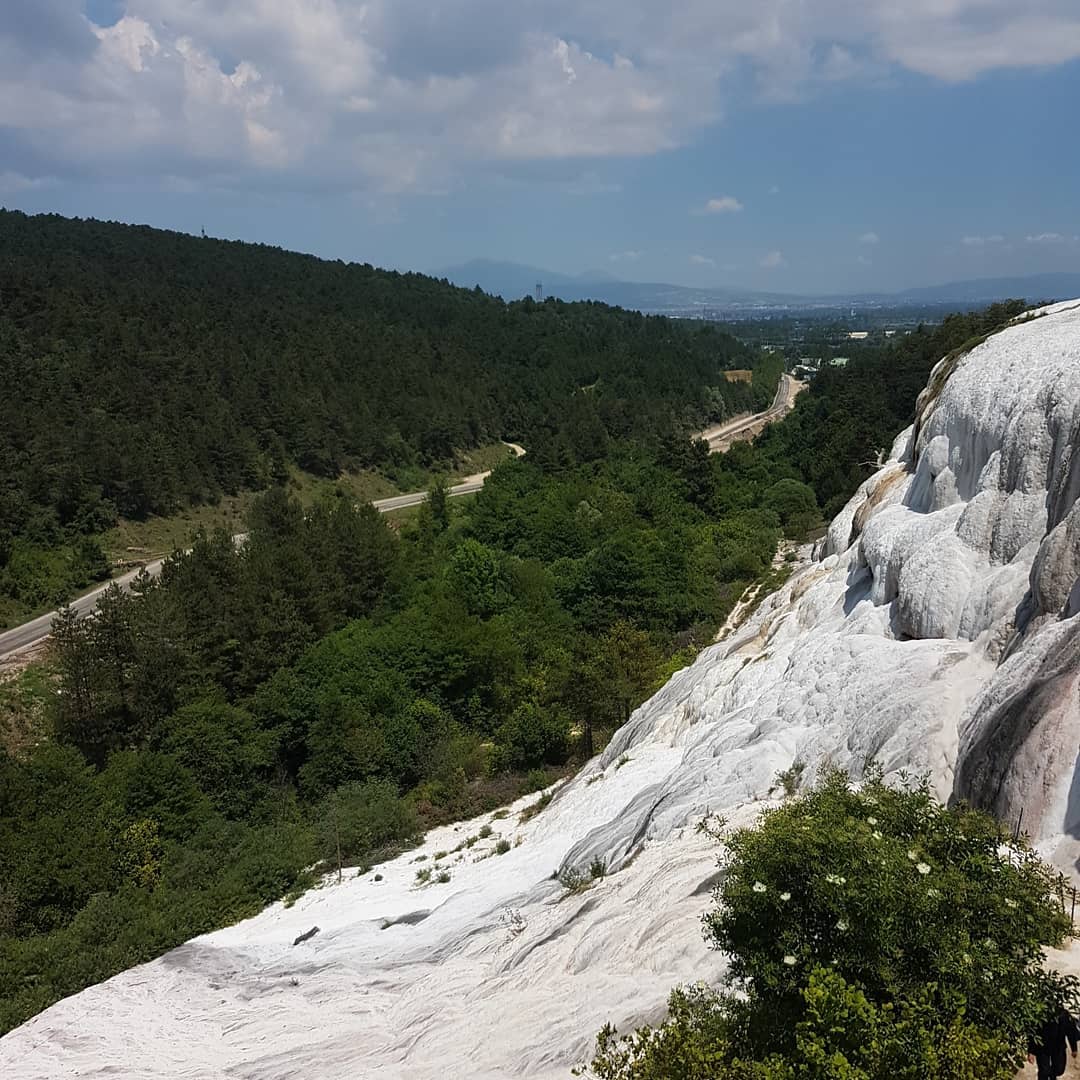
(332, 685)
(148, 371)
(329, 681)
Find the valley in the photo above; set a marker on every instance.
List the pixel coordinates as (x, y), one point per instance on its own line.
(480, 654)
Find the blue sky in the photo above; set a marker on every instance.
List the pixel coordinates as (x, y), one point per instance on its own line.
(801, 145)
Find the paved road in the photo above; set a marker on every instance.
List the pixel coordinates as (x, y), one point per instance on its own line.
(34, 632)
(469, 486)
(37, 630)
(786, 393)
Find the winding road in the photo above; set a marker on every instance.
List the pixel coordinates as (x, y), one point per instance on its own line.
(719, 437)
(33, 633)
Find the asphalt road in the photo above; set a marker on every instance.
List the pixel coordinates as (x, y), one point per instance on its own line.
(29, 634)
(37, 630)
(786, 393)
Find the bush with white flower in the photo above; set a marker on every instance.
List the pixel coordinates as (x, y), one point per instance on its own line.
(871, 934)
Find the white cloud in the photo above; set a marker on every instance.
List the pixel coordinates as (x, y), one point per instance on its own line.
(774, 190)
(1046, 238)
(723, 204)
(982, 241)
(773, 260)
(862, 260)
(702, 260)
(625, 256)
(869, 239)
(406, 94)
(13, 183)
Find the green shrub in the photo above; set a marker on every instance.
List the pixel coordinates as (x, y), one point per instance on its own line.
(876, 935)
(534, 735)
(365, 818)
(502, 847)
(789, 779)
(536, 807)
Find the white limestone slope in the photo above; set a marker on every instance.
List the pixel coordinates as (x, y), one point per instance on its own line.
(939, 630)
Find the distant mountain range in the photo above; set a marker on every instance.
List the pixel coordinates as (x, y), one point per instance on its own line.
(513, 280)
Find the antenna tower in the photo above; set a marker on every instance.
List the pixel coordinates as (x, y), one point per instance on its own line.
(539, 292)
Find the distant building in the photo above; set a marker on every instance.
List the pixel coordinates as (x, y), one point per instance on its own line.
(858, 335)
(890, 333)
(739, 375)
(839, 361)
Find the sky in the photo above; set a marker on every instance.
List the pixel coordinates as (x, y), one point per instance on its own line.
(789, 145)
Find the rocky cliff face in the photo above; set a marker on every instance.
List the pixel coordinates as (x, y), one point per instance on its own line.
(938, 631)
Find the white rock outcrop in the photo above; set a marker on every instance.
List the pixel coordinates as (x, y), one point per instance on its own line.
(938, 631)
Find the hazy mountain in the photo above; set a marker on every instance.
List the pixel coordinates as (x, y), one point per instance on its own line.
(1061, 286)
(513, 280)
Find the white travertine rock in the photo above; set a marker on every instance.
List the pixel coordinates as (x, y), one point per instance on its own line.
(939, 632)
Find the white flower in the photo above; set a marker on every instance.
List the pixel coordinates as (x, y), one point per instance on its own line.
(759, 886)
(1010, 903)
(923, 868)
(789, 960)
(933, 893)
(870, 800)
(871, 820)
(912, 855)
(835, 879)
(785, 896)
(877, 835)
(842, 925)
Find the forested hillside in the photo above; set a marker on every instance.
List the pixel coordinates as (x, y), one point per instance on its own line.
(332, 687)
(148, 369)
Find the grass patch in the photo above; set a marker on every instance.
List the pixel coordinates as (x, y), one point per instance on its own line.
(131, 542)
(25, 699)
(531, 811)
(574, 881)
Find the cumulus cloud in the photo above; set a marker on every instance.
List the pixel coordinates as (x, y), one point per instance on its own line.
(724, 204)
(869, 239)
(1046, 238)
(982, 241)
(403, 94)
(702, 260)
(624, 256)
(773, 260)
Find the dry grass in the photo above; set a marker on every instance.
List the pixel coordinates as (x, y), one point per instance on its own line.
(24, 707)
(143, 541)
